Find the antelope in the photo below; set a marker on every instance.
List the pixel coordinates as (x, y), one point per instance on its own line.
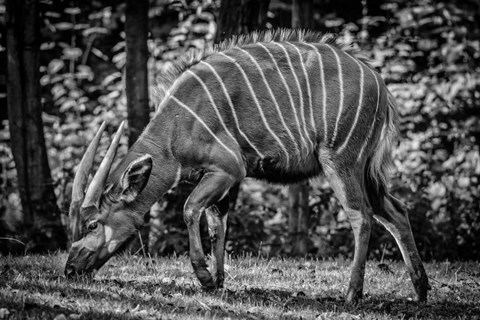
(281, 106)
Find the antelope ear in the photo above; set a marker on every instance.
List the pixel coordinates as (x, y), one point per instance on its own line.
(135, 177)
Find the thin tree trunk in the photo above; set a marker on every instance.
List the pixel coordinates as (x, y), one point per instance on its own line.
(302, 14)
(298, 218)
(136, 77)
(136, 80)
(42, 227)
(241, 16)
(298, 214)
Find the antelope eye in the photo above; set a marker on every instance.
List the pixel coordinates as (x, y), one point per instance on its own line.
(92, 226)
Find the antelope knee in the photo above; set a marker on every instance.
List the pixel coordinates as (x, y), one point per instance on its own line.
(191, 216)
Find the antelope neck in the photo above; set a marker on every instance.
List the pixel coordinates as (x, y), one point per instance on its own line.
(155, 141)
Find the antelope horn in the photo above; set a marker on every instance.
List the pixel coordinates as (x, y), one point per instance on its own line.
(95, 189)
(81, 176)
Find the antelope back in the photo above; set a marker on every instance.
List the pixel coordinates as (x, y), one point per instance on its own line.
(271, 101)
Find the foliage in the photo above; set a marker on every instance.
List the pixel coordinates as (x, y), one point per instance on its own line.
(438, 158)
(132, 287)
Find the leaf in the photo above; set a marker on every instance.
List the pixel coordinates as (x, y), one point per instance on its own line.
(55, 65)
(64, 26)
(72, 53)
(84, 72)
(58, 90)
(119, 59)
(99, 54)
(4, 313)
(464, 182)
(111, 78)
(81, 26)
(94, 30)
(73, 10)
(333, 23)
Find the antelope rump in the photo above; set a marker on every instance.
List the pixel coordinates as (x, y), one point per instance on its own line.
(281, 106)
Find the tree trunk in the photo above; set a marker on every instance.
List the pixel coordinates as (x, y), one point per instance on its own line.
(136, 88)
(241, 16)
(42, 227)
(136, 77)
(302, 14)
(298, 214)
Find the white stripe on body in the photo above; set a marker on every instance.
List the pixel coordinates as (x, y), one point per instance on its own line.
(294, 141)
(324, 92)
(340, 107)
(214, 105)
(300, 92)
(234, 114)
(168, 93)
(252, 92)
(292, 104)
(178, 176)
(309, 90)
(357, 114)
(374, 117)
(184, 106)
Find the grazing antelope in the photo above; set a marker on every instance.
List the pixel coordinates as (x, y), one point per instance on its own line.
(282, 106)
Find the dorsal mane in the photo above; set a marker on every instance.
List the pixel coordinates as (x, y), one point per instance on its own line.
(193, 57)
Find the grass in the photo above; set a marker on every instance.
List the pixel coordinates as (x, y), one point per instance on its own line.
(131, 287)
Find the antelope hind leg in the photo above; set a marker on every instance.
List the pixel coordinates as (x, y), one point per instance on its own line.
(212, 188)
(217, 226)
(348, 190)
(394, 218)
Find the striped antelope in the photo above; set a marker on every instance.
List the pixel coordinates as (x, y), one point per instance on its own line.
(281, 106)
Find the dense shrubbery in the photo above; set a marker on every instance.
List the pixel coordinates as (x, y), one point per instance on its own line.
(428, 53)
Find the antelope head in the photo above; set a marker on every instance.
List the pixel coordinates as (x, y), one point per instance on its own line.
(103, 218)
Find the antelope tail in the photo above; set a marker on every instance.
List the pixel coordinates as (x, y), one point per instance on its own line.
(380, 162)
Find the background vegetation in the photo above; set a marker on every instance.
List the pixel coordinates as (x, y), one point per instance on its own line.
(428, 52)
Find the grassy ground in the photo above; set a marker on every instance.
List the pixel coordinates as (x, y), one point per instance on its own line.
(131, 287)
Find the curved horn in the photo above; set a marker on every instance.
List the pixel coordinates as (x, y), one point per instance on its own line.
(80, 181)
(81, 176)
(95, 189)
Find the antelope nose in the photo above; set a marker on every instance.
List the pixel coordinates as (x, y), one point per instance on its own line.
(69, 271)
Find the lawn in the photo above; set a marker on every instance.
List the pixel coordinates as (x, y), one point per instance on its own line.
(131, 287)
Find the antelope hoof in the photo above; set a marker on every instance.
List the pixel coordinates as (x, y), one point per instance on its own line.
(353, 297)
(220, 280)
(422, 287)
(421, 293)
(209, 287)
(206, 280)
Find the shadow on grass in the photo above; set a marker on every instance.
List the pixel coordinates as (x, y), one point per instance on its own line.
(184, 299)
(329, 301)
(162, 298)
(31, 310)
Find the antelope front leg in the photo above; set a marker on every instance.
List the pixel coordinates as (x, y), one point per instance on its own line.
(212, 188)
(217, 226)
(361, 225)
